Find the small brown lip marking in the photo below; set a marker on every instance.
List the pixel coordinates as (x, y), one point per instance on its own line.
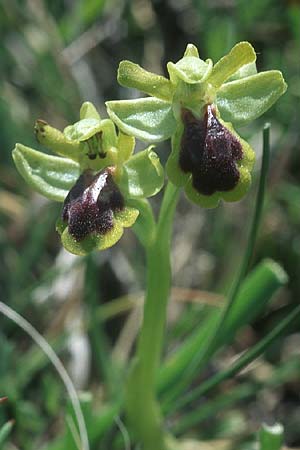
(90, 205)
(209, 151)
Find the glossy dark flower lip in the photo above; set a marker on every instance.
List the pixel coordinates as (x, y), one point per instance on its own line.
(91, 203)
(209, 151)
(94, 213)
(209, 159)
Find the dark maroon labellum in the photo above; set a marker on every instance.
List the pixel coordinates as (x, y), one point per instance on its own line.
(209, 152)
(90, 204)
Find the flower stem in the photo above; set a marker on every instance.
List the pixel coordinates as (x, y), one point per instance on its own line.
(142, 409)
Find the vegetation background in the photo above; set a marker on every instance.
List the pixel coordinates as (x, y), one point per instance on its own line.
(55, 54)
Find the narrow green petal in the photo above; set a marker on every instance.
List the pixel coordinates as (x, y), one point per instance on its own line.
(109, 135)
(51, 176)
(88, 111)
(241, 54)
(125, 146)
(56, 141)
(244, 100)
(142, 175)
(133, 76)
(148, 119)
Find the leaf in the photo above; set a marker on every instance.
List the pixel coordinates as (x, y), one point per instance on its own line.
(142, 175)
(271, 437)
(257, 289)
(133, 76)
(241, 54)
(88, 111)
(51, 176)
(244, 100)
(5, 431)
(148, 119)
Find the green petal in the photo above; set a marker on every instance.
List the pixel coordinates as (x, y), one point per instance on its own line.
(189, 69)
(56, 141)
(51, 176)
(244, 100)
(125, 146)
(88, 111)
(82, 130)
(142, 175)
(241, 54)
(133, 76)
(109, 135)
(148, 119)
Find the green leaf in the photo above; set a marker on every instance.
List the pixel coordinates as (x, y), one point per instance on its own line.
(142, 175)
(241, 54)
(257, 289)
(88, 111)
(133, 76)
(51, 176)
(244, 100)
(148, 119)
(271, 437)
(5, 431)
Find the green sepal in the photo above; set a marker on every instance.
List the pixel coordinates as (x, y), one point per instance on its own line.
(142, 175)
(49, 175)
(240, 55)
(244, 100)
(189, 69)
(56, 141)
(133, 76)
(94, 241)
(148, 119)
(245, 71)
(88, 111)
(191, 50)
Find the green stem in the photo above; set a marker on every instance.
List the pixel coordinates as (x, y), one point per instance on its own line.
(142, 409)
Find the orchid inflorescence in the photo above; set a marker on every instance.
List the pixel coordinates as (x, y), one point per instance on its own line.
(98, 177)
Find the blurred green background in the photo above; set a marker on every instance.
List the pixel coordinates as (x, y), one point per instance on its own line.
(56, 54)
